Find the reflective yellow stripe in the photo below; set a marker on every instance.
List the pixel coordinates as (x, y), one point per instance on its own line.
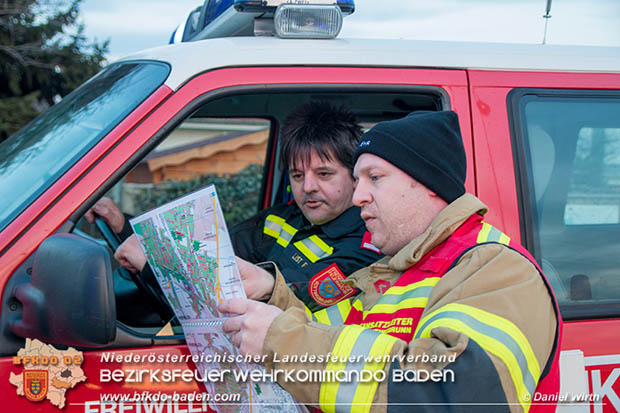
(344, 307)
(275, 219)
(489, 233)
(484, 233)
(355, 344)
(499, 350)
(427, 282)
(504, 239)
(304, 250)
(416, 302)
(357, 304)
(344, 345)
(287, 228)
(279, 229)
(410, 296)
(322, 245)
(271, 232)
(321, 316)
(314, 248)
(494, 334)
(365, 392)
(332, 316)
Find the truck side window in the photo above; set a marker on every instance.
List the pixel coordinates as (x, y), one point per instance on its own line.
(571, 159)
(230, 141)
(227, 152)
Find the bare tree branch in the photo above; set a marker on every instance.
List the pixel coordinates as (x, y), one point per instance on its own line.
(22, 59)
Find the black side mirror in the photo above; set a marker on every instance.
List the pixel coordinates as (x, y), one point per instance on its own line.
(70, 297)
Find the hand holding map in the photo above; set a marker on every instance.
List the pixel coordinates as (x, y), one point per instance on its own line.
(257, 283)
(187, 245)
(249, 328)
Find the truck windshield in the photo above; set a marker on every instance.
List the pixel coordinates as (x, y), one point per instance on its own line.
(35, 157)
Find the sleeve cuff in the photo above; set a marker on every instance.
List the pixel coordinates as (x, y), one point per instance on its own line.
(127, 231)
(282, 296)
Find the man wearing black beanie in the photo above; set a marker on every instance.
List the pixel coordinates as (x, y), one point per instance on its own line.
(457, 316)
(426, 146)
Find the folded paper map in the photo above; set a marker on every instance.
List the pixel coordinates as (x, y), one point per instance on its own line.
(187, 245)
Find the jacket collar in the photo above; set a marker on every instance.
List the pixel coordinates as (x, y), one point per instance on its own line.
(347, 222)
(444, 224)
(391, 268)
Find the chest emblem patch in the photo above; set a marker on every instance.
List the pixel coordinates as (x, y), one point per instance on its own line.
(327, 288)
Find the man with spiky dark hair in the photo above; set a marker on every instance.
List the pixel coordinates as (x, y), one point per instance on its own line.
(318, 236)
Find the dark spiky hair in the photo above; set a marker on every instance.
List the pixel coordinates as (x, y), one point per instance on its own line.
(332, 131)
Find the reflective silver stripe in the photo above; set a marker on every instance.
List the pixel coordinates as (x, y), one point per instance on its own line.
(273, 226)
(286, 236)
(492, 332)
(397, 298)
(335, 318)
(362, 347)
(494, 235)
(278, 228)
(333, 315)
(315, 249)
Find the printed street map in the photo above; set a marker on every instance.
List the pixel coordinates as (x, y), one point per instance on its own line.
(187, 245)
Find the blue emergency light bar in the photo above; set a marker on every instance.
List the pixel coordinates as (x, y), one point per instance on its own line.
(228, 18)
(346, 6)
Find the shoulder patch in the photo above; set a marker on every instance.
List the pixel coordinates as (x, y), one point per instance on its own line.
(367, 243)
(327, 288)
(382, 286)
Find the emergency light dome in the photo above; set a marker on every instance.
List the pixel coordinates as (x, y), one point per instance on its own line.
(320, 19)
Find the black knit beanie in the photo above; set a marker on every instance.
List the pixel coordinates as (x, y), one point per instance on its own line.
(425, 145)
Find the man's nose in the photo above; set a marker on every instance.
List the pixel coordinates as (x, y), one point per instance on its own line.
(310, 183)
(361, 196)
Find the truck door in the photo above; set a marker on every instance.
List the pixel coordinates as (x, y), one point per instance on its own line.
(547, 149)
(266, 93)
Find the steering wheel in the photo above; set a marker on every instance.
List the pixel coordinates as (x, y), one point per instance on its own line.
(148, 285)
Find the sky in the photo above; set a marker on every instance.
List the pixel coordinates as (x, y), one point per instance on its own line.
(133, 25)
